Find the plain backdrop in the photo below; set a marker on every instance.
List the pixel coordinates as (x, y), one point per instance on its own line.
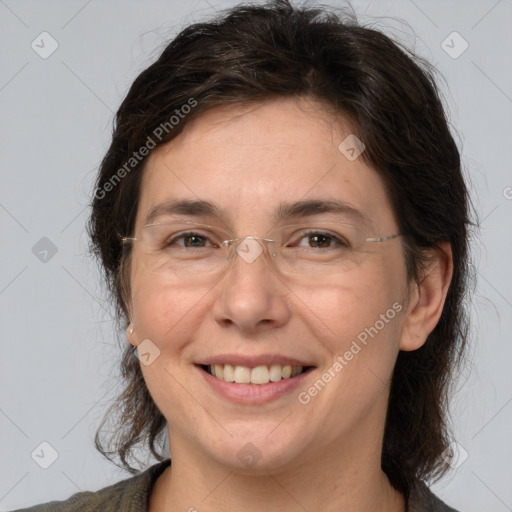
(59, 354)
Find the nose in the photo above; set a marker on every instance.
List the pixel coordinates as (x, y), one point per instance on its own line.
(252, 296)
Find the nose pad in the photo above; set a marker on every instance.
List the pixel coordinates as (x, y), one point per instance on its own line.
(249, 249)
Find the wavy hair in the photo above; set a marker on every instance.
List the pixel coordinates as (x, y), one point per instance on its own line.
(252, 53)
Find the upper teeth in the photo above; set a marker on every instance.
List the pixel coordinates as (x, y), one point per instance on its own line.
(257, 375)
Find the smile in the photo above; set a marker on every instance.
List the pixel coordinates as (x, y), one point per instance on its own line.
(260, 375)
(254, 385)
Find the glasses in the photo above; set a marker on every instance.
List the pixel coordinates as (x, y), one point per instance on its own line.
(191, 250)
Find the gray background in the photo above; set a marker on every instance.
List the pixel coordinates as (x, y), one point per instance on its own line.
(58, 351)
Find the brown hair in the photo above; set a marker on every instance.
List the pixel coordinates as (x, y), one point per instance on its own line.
(253, 53)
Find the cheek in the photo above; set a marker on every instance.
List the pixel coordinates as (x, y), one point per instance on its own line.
(162, 311)
(358, 322)
(344, 309)
(359, 325)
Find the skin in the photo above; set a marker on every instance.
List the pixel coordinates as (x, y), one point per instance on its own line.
(321, 456)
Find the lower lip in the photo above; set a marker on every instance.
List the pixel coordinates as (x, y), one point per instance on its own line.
(254, 394)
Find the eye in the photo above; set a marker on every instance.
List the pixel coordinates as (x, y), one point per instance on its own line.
(320, 240)
(190, 240)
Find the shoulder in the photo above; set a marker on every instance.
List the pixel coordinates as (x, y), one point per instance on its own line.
(422, 499)
(127, 495)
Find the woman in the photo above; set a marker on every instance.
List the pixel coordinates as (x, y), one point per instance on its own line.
(282, 222)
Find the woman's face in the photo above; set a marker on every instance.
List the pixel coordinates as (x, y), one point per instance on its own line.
(341, 315)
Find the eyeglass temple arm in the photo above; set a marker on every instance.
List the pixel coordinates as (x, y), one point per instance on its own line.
(383, 238)
(125, 239)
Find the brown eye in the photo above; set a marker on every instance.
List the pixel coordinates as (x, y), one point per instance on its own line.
(189, 240)
(194, 241)
(320, 240)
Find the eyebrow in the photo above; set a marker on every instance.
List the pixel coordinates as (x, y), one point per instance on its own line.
(184, 207)
(285, 211)
(310, 207)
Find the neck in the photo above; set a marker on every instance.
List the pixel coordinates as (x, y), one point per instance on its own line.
(337, 479)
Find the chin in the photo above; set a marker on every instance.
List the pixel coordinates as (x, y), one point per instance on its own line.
(259, 453)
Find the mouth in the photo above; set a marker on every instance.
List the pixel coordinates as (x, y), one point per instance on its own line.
(258, 375)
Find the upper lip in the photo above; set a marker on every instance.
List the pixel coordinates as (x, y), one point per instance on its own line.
(253, 361)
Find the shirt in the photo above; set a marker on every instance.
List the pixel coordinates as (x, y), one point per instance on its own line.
(132, 495)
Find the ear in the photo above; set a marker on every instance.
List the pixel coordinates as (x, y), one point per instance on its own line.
(131, 335)
(426, 299)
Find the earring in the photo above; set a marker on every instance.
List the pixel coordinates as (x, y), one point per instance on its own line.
(129, 330)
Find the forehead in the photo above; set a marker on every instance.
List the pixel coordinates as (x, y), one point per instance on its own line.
(249, 159)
